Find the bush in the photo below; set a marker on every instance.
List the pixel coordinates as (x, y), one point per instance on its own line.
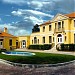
(40, 47)
(67, 47)
(2, 50)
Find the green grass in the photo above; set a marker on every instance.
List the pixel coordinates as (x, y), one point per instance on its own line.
(39, 58)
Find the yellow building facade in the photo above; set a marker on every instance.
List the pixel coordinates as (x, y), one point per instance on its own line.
(61, 29)
(10, 42)
(24, 41)
(7, 41)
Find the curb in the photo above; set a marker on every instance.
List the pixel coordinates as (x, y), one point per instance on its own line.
(37, 65)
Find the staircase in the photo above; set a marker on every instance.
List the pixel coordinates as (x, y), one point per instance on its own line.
(53, 49)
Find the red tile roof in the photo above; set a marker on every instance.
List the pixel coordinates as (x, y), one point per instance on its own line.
(3, 34)
(45, 23)
(71, 15)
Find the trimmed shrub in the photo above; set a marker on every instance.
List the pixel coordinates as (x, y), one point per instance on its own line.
(67, 47)
(3, 50)
(40, 47)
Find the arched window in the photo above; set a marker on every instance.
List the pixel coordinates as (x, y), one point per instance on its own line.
(35, 40)
(59, 35)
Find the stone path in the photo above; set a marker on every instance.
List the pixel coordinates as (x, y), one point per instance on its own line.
(60, 70)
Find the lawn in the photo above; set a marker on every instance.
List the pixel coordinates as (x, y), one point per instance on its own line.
(39, 58)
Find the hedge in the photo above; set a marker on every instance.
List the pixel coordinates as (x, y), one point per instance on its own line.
(40, 47)
(3, 50)
(67, 47)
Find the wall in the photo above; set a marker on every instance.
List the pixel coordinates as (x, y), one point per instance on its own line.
(69, 31)
(26, 38)
(6, 42)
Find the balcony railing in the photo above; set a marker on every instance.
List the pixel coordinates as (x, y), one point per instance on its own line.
(56, 30)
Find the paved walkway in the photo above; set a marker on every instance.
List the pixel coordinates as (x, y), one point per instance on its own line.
(60, 70)
(48, 51)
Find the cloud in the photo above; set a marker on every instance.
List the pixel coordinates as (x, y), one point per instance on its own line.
(16, 13)
(32, 15)
(21, 12)
(35, 11)
(19, 2)
(38, 13)
(36, 20)
(51, 6)
(15, 30)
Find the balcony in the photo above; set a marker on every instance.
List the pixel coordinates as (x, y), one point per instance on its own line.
(58, 30)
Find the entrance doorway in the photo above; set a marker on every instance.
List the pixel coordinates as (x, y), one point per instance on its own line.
(59, 38)
(23, 43)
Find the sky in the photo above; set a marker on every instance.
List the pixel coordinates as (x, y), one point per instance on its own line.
(19, 16)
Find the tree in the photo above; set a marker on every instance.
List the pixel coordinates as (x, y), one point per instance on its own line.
(36, 28)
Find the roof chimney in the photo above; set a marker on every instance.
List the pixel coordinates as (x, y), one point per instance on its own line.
(0, 31)
(5, 30)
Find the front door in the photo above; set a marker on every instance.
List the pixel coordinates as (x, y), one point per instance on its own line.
(1, 44)
(59, 39)
(23, 44)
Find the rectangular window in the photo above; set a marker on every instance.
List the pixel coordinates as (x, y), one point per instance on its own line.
(44, 29)
(59, 24)
(10, 42)
(74, 38)
(65, 38)
(74, 23)
(53, 39)
(50, 39)
(35, 40)
(1, 43)
(58, 39)
(32, 41)
(49, 27)
(43, 39)
(62, 24)
(16, 42)
(38, 41)
(55, 25)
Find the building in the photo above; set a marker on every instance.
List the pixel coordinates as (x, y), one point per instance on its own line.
(24, 41)
(10, 42)
(61, 29)
(7, 41)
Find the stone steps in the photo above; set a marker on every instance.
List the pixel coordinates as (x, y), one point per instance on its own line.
(53, 49)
